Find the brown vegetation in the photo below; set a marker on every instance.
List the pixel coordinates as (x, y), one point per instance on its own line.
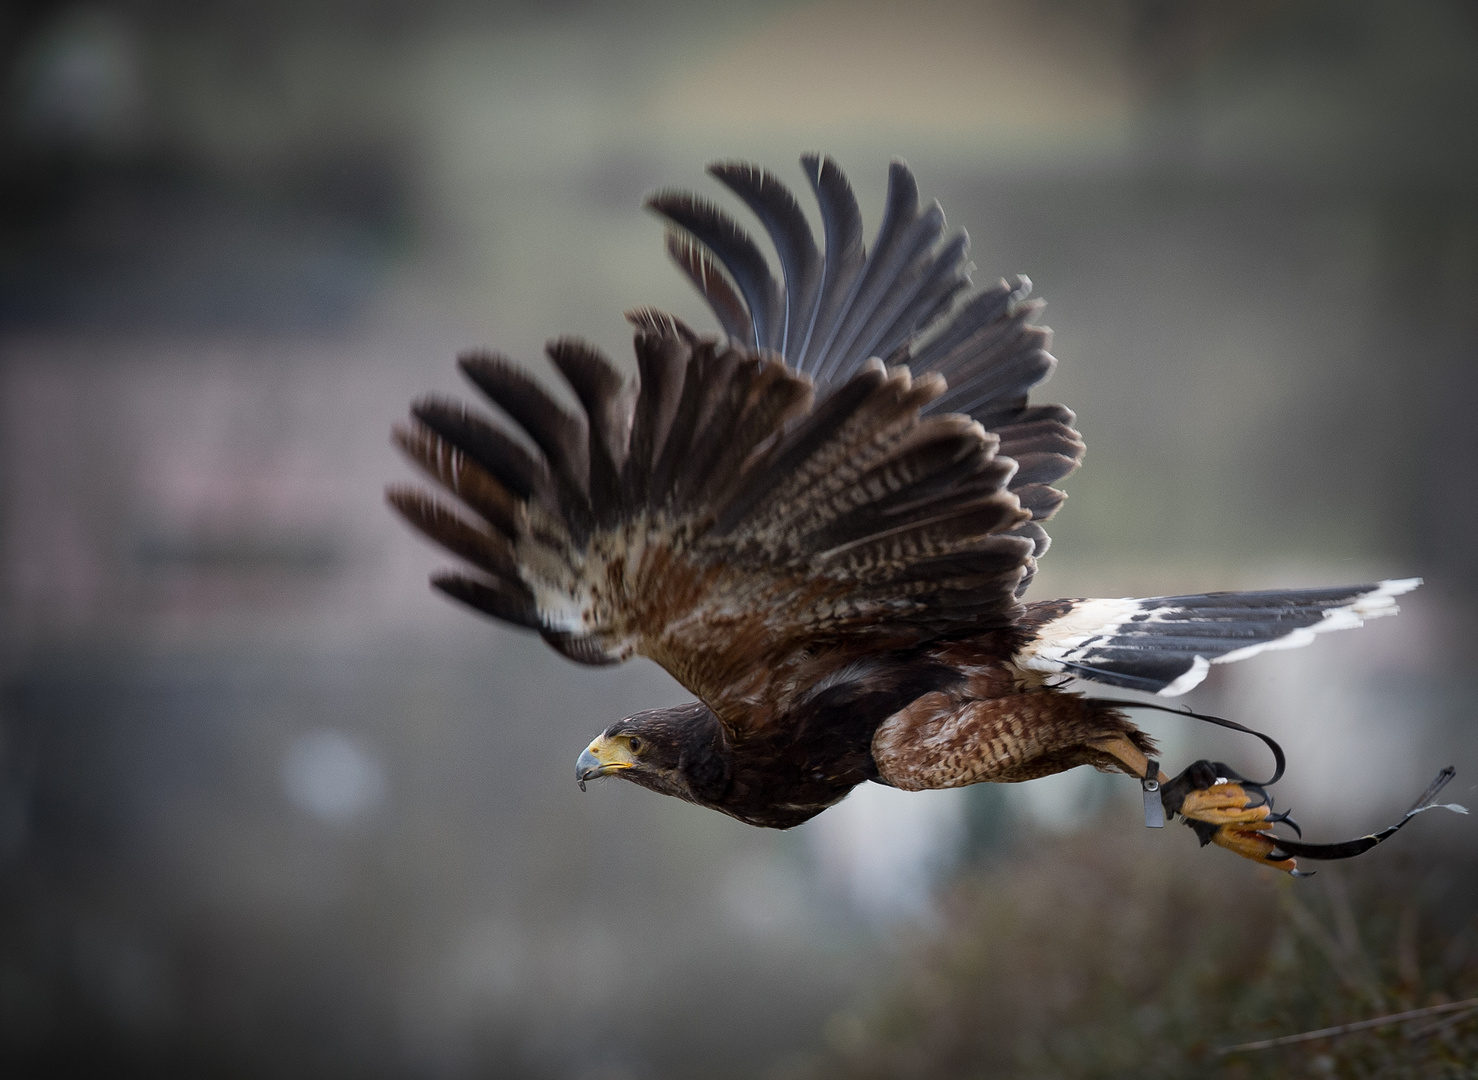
(1099, 956)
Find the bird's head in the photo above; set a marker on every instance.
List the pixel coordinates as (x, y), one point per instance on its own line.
(677, 751)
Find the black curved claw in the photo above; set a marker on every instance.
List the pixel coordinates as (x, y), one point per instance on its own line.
(1284, 819)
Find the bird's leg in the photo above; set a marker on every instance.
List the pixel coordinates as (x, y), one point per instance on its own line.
(1134, 761)
(1220, 807)
(1130, 756)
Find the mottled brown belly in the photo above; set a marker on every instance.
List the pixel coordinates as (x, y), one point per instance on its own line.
(942, 741)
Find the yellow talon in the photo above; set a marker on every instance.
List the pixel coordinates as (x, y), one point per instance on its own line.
(1226, 804)
(1235, 817)
(1252, 842)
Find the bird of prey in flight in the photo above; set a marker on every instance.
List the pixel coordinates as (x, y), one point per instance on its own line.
(822, 521)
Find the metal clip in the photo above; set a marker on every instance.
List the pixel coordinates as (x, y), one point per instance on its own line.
(1154, 809)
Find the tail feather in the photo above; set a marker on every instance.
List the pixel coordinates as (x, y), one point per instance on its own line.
(1166, 645)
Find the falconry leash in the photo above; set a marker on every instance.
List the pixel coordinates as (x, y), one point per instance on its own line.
(1156, 798)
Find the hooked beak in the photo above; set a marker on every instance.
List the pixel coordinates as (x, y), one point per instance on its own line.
(601, 758)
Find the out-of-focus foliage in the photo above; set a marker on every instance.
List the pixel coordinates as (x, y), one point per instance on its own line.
(1097, 957)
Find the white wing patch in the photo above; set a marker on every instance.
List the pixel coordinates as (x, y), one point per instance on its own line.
(1192, 677)
(1166, 645)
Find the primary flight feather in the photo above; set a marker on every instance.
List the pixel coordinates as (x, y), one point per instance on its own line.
(822, 523)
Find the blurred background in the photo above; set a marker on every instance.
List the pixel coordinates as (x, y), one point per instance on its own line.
(268, 806)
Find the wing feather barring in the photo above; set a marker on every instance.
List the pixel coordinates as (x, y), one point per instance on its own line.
(822, 521)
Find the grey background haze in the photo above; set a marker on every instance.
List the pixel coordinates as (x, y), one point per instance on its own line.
(269, 806)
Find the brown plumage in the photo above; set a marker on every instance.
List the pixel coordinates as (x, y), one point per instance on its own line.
(821, 524)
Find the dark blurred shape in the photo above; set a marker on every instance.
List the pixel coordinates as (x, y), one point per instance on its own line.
(111, 217)
(156, 242)
(163, 244)
(240, 552)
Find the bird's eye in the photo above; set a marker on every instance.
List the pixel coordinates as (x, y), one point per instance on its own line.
(635, 742)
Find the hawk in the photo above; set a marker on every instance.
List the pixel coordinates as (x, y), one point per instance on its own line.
(822, 522)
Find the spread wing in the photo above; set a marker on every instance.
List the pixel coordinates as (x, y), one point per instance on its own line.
(907, 301)
(722, 516)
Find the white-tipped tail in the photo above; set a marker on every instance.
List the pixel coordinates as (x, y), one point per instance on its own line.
(1167, 644)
